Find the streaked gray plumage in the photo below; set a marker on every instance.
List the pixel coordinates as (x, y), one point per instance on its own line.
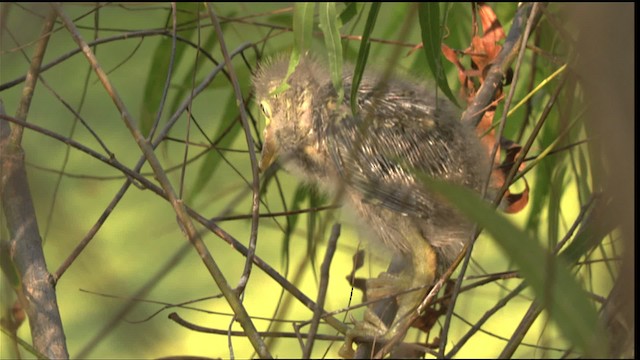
(400, 131)
(373, 160)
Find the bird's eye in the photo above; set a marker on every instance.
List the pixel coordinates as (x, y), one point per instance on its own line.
(266, 110)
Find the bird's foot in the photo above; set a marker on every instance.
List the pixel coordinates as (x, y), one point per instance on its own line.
(372, 328)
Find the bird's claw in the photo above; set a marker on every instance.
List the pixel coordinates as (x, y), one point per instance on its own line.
(372, 328)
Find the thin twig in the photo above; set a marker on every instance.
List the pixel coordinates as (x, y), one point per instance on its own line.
(133, 175)
(485, 317)
(128, 305)
(523, 327)
(279, 334)
(535, 309)
(130, 174)
(235, 244)
(514, 45)
(167, 81)
(525, 149)
(322, 290)
(255, 206)
(161, 176)
(126, 36)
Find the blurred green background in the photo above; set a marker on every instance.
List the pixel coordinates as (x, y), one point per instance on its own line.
(141, 236)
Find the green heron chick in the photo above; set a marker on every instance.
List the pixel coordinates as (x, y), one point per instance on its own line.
(373, 161)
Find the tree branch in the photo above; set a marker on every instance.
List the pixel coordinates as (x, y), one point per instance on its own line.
(177, 204)
(38, 297)
(498, 69)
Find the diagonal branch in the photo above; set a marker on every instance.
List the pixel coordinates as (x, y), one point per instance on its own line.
(177, 204)
(499, 68)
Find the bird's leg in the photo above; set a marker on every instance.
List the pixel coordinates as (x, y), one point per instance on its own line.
(422, 274)
(417, 273)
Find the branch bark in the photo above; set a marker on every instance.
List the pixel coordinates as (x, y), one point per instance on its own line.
(498, 69)
(38, 297)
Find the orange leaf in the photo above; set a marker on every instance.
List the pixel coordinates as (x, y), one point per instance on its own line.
(491, 26)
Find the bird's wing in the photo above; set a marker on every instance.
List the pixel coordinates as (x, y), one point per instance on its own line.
(394, 138)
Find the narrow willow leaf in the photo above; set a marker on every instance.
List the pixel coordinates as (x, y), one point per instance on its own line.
(330, 26)
(315, 227)
(159, 68)
(182, 92)
(554, 215)
(591, 233)
(542, 179)
(213, 159)
(302, 26)
(429, 17)
(302, 31)
(565, 300)
(299, 197)
(350, 10)
(363, 55)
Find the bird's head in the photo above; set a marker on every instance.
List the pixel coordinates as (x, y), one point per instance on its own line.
(287, 108)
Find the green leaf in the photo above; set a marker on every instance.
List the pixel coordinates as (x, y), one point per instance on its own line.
(302, 32)
(299, 197)
(591, 233)
(553, 208)
(315, 227)
(159, 68)
(213, 159)
(363, 55)
(182, 92)
(302, 26)
(429, 16)
(542, 178)
(350, 10)
(330, 26)
(553, 284)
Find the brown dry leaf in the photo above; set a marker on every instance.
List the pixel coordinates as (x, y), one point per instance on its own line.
(493, 31)
(482, 51)
(513, 202)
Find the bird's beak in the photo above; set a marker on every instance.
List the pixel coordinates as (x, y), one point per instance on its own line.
(269, 152)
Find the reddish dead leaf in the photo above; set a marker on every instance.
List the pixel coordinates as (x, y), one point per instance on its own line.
(428, 319)
(516, 202)
(479, 54)
(463, 75)
(492, 29)
(482, 50)
(487, 136)
(451, 55)
(512, 151)
(512, 202)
